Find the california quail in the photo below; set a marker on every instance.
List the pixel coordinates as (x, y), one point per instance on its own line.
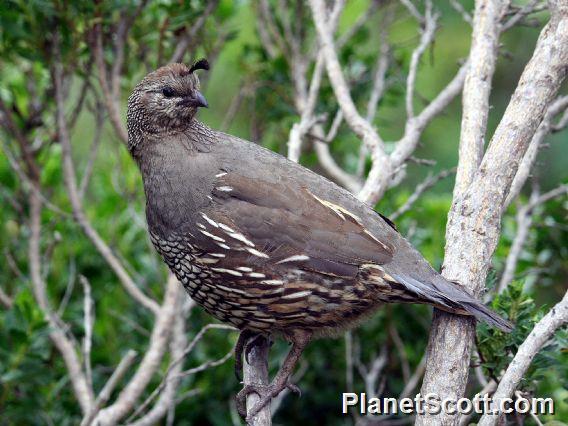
(261, 242)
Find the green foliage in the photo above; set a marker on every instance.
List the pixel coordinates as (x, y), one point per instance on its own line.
(34, 382)
(547, 375)
(497, 349)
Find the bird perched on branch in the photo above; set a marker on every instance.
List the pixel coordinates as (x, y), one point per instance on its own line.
(261, 242)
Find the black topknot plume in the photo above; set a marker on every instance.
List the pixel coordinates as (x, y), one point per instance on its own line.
(201, 64)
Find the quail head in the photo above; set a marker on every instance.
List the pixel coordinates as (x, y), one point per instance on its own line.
(261, 242)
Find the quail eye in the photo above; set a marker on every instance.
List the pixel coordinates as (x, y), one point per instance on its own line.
(168, 92)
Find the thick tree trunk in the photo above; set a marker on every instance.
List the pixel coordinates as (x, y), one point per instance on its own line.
(474, 220)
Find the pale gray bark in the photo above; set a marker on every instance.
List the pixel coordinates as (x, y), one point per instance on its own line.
(255, 371)
(149, 364)
(477, 87)
(378, 179)
(474, 220)
(558, 106)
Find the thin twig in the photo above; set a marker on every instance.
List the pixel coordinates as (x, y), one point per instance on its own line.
(458, 7)
(106, 392)
(558, 106)
(71, 277)
(377, 181)
(5, 299)
(426, 38)
(412, 10)
(488, 389)
(89, 320)
(414, 379)
(70, 180)
(531, 7)
(177, 362)
(422, 187)
(524, 222)
(92, 156)
(150, 363)
(194, 29)
(27, 180)
(399, 345)
(167, 399)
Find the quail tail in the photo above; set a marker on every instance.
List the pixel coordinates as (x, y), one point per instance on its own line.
(483, 313)
(450, 297)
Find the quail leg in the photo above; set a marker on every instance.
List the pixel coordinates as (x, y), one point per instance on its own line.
(280, 382)
(239, 348)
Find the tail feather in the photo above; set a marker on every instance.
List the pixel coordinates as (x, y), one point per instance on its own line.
(482, 312)
(450, 297)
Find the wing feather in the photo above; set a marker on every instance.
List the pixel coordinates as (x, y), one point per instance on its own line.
(285, 221)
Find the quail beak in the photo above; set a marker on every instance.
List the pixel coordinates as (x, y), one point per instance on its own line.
(200, 100)
(197, 100)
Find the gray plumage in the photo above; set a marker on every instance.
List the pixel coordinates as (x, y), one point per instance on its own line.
(261, 242)
(218, 206)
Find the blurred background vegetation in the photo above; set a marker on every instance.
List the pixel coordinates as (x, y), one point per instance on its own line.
(34, 383)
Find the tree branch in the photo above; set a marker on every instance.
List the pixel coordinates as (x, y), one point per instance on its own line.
(474, 220)
(524, 222)
(539, 336)
(477, 88)
(5, 299)
(70, 179)
(426, 38)
(377, 182)
(196, 26)
(306, 99)
(109, 386)
(255, 371)
(555, 108)
(422, 187)
(64, 345)
(168, 396)
(151, 361)
(89, 320)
